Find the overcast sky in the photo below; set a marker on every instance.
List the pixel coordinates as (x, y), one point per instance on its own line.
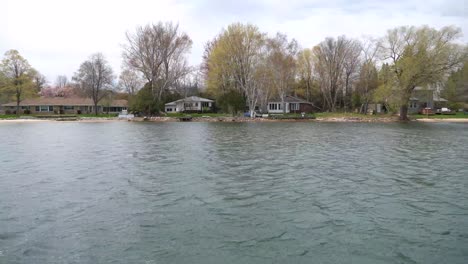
(55, 36)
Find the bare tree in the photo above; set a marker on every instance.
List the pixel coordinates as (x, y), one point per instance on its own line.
(158, 51)
(329, 60)
(305, 67)
(39, 80)
(61, 81)
(130, 81)
(93, 77)
(282, 61)
(368, 75)
(351, 65)
(335, 62)
(190, 84)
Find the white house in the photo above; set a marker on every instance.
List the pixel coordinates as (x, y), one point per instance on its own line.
(189, 104)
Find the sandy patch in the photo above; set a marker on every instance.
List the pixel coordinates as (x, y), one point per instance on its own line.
(451, 120)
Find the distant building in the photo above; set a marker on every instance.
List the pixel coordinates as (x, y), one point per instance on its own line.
(290, 104)
(425, 97)
(190, 104)
(61, 105)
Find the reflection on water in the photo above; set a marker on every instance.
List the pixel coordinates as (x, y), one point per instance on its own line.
(233, 193)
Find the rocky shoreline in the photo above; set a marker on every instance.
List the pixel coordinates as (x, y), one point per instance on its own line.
(158, 119)
(253, 120)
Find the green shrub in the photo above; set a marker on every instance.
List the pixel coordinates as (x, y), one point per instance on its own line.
(231, 102)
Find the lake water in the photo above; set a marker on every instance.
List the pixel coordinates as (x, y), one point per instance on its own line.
(124, 192)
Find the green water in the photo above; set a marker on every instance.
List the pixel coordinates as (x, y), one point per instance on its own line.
(127, 192)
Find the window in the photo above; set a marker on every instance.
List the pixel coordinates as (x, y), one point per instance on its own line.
(274, 106)
(196, 104)
(68, 107)
(205, 104)
(294, 106)
(112, 109)
(44, 108)
(168, 109)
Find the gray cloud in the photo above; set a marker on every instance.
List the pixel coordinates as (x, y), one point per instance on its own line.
(56, 36)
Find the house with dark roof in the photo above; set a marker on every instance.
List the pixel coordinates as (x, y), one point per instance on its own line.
(61, 105)
(190, 104)
(290, 104)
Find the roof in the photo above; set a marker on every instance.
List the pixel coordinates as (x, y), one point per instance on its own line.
(190, 99)
(291, 99)
(437, 98)
(60, 101)
(430, 87)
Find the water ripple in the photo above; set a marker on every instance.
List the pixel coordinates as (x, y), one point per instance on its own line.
(233, 193)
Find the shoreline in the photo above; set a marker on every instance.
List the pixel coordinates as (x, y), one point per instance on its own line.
(246, 120)
(443, 120)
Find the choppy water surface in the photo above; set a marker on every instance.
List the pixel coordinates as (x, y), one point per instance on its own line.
(233, 193)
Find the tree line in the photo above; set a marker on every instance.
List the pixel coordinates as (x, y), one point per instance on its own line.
(243, 67)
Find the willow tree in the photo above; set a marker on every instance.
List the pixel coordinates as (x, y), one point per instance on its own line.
(456, 87)
(159, 52)
(420, 56)
(3, 83)
(219, 78)
(235, 60)
(18, 77)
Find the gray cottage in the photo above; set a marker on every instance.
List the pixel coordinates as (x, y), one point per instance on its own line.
(290, 104)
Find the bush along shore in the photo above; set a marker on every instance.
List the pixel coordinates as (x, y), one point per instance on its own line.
(318, 117)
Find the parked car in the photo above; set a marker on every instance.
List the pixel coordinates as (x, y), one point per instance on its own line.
(445, 111)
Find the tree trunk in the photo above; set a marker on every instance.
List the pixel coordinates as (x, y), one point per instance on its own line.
(404, 112)
(95, 109)
(18, 96)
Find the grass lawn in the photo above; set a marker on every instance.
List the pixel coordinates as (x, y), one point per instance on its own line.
(8, 116)
(457, 115)
(57, 116)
